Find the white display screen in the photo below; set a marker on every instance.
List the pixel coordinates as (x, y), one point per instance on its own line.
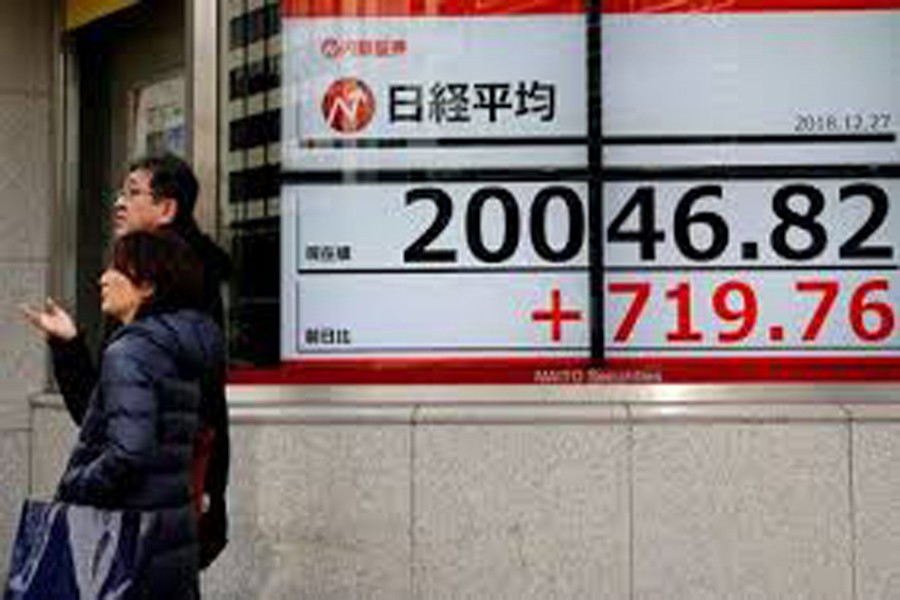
(455, 186)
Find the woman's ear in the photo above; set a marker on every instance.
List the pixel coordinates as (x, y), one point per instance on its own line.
(145, 291)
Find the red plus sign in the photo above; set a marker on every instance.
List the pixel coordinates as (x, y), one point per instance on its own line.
(556, 315)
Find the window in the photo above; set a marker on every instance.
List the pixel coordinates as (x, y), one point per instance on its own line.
(251, 101)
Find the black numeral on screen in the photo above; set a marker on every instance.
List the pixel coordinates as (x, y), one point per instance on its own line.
(646, 235)
(685, 220)
(475, 218)
(419, 251)
(510, 237)
(878, 200)
(804, 221)
(704, 235)
(539, 224)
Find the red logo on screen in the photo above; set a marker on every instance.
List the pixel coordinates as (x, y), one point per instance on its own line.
(334, 48)
(331, 48)
(348, 105)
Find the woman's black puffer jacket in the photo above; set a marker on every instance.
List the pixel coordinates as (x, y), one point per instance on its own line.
(135, 447)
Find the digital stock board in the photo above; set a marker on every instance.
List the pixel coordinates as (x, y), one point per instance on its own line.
(672, 185)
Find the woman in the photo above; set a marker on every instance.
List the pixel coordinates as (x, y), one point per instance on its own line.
(139, 428)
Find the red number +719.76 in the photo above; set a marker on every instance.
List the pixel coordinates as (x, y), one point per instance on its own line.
(871, 320)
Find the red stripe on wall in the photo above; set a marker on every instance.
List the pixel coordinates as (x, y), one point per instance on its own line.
(742, 6)
(410, 8)
(573, 371)
(414, 8)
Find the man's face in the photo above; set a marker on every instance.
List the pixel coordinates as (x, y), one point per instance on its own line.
(136, 209)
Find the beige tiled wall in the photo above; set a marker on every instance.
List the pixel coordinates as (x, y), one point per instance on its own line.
(318, 511)
(733, 511)
(53, 435)
(507, 510)
(26, 46)
(26, 171)
(877, 506)
(22, 352)
(606, 501)
(13, 489)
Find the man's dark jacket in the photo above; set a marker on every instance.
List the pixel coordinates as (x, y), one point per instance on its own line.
(135, 447)
(76, 375)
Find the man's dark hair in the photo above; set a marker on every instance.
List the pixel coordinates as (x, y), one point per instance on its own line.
(171, 177)
(165, 261)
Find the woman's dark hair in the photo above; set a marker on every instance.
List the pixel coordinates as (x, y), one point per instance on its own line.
(165, 261)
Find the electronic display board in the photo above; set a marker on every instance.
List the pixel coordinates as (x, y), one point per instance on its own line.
(656, 182)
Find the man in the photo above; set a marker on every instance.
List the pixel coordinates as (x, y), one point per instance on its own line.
(158, 192)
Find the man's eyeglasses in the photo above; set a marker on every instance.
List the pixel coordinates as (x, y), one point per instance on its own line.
(130, 194)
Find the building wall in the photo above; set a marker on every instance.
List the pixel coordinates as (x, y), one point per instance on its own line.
(591, 500)
(26, 190)
(562, 498)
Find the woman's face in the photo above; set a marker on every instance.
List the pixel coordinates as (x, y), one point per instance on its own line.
(119, 297)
